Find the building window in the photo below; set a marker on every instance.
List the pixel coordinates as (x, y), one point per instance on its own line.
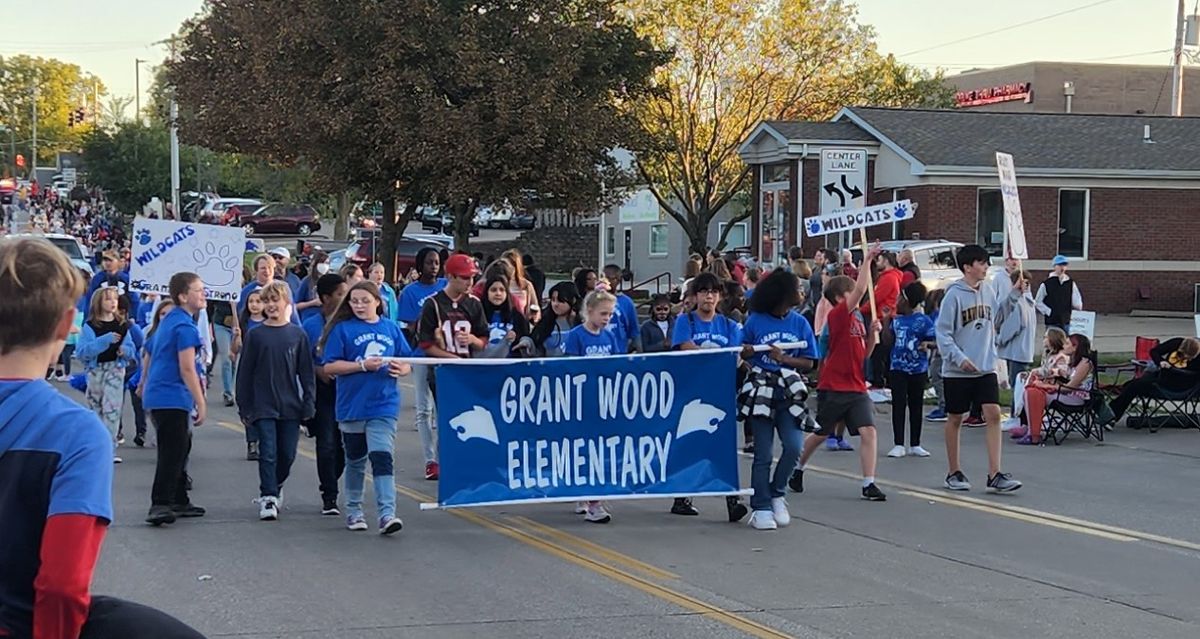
(658, 240)
(739, 235)
(1073, 209)
(776, 173)
(610, 241)
(989, 221)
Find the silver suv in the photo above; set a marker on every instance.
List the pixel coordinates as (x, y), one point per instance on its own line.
(935, 258)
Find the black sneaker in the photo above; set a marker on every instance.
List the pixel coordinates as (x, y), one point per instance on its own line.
(683, 506)
(329, 507)
(796, 483)
(749, 447)
(160, 515)
(251, 451)
(736, 509)
(139, 441)
(188, 510)
(1002, 483)
(228, 400)
(871, 492)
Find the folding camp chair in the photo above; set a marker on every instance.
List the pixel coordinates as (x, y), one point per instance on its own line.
(1062, 418)
(1175, 402)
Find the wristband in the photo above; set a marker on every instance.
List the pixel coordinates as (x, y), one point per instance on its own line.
(362, 365)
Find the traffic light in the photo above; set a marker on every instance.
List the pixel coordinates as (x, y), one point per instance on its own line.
(75, 116)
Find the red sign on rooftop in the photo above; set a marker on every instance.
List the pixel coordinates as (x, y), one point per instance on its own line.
(992, 95)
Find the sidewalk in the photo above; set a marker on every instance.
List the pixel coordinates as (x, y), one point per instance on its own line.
(1116, 333)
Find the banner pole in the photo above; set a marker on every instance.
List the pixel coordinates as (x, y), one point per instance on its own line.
(862, 236)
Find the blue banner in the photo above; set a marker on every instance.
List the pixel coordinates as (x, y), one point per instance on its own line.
(575, 428)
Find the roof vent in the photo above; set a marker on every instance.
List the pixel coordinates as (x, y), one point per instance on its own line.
(1146, 135)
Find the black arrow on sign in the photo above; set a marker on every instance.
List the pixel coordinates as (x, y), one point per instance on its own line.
(832, 189)
(852, 190)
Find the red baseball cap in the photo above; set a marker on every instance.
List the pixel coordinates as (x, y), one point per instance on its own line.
(460, 265)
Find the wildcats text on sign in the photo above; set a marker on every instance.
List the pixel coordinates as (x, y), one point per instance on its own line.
(859, 218)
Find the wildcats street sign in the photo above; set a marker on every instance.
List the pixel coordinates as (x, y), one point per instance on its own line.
(859, 218)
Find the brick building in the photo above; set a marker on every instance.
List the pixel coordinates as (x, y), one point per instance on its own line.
(1124, 207)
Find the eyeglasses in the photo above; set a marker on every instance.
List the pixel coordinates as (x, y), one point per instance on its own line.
(708, 291)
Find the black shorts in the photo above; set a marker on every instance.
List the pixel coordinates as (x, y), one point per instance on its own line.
(962, 392)
(853, 409)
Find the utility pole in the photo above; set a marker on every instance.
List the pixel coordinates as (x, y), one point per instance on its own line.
(1177, 72)
(174, 114)
(96, 103)
(33, 160)
(137, 89)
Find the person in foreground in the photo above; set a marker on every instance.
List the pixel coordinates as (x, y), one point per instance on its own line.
(55, 469)
(966, 338)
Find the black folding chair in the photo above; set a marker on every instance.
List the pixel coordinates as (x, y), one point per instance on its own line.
(1064, 418)
(1175, 399)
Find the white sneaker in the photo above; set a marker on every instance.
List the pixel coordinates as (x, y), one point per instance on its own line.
(897, 451)
(917, 451)
(779, 511)
(1010, 423)
(268, 508)
(117, 460)
(763, 520)
(581, 508)
(596, 514)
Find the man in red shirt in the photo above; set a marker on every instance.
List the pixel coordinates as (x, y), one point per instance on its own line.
(887, 291)
(842, 389)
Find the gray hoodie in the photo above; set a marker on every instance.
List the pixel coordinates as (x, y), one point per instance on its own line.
(965, 329)
(1017, 318)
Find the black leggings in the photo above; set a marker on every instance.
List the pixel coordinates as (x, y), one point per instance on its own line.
(908, 391)
(110, 618)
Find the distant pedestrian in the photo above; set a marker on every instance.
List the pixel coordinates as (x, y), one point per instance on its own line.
(656, 330)
(1059, 295)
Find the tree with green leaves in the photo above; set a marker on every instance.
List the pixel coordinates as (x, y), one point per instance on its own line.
(737, 63)
(61, 88)
(418, 101)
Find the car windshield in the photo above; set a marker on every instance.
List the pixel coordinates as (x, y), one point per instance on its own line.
(68, 246)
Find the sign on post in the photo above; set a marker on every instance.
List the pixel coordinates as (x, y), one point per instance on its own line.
(162, 248)
(860, 218)
(843, 179)
(568, 429)
(641, 206)
(1083, 323)
(1014, 224)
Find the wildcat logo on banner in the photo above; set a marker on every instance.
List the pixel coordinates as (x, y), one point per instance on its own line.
(162, 248)
(587, 428)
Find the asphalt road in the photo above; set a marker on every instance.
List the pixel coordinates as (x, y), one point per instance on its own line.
(1103, 541)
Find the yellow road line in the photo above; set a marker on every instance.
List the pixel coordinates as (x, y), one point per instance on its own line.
(1029, 515)
(513, 531)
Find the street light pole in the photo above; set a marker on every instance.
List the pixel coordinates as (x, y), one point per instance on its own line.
(1177, 71)
(33, 160)
(174, 113)
(137, 89)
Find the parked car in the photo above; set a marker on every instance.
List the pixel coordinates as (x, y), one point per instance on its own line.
(935, 258)
(522, 220)
(8, 186)
(213, 211)
(234, 212)
(363, 252)
(441, 220)
(277, 217)
(69, 245)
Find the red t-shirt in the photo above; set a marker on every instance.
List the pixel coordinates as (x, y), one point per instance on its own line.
(842, 366)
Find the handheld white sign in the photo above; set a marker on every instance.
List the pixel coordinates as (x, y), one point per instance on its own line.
(1083, 323)
(1014, 224)
(162, 248)
(859, 218)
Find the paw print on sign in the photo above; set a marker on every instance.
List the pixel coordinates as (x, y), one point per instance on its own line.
(217, 266)
(900, 212)
(143, 237)
(814, 228)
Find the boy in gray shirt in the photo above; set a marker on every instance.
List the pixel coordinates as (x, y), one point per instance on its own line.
(966, 338)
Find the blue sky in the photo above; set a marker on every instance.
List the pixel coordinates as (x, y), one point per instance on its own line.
(105, 36)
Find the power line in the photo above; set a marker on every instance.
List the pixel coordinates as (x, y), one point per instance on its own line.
(1009, 27)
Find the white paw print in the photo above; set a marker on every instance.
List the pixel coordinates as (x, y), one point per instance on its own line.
(217, 266)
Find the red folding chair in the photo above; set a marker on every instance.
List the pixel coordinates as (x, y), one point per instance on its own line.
(1142, 346)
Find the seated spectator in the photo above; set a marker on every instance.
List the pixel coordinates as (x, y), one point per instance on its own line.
(1174, 367)
(1074, 392)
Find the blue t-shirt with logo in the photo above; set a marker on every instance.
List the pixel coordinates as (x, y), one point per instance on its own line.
(412, 299)
(911, 330)
(624, 321)
(764, 328)
(365, 395)
(581, 342)
(313, 326)
(164, 387)
(721, 332)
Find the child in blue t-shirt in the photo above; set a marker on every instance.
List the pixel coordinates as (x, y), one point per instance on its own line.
(913, 334)
(593, 339)
(353, 348)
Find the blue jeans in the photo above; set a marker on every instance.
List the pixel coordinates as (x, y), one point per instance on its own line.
(765, 486)
(420, 377)
(224, 337)
(372, 438)
(277, 439)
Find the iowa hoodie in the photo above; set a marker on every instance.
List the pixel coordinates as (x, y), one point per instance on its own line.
(966, 331)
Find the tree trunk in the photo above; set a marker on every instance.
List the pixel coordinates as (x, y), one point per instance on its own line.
(463, 212)
(389, 237)
(341, 223)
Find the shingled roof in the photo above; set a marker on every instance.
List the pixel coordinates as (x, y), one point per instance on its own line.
(1076, 142)
(795, 130)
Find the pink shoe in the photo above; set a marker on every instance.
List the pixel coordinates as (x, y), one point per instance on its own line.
(1027, 441)
(1019, 432)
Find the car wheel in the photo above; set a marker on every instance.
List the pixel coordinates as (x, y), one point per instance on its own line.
(304, 230)
(249, 228)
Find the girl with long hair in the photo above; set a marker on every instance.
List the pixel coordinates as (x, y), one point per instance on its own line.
(353, 346)
(1081, 362)
(376, 274)
(550, 334)
(508, 330)
(106, 348)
